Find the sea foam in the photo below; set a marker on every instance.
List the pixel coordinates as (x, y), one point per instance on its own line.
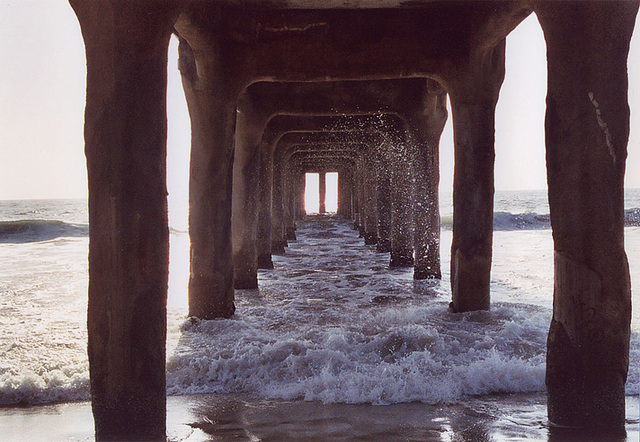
(331, 323)
(402, 354)
(59, 385)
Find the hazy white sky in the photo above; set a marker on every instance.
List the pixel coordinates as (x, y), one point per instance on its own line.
(42, 85)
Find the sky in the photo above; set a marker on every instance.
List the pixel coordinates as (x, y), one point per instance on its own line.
(42, 87)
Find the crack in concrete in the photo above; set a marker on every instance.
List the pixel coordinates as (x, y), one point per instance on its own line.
(604, 127)
(301, 29)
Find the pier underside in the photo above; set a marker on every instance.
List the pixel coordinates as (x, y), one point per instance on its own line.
(281, 88)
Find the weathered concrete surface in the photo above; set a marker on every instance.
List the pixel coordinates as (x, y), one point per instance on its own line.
(401, 207)
(278, 241)
(300, 201)
(265, 200)
(211, 99)
(125, 145)
(244, 206)
(473, 101)
(368, 170)
(425, 128)
(291, 176)
(587, 127)
(345, 191)
(317, 45)
(383, 197)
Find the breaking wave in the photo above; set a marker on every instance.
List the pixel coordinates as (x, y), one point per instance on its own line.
(35, 230)
(392, 355)
(397, 355)
(522, 221)
(509, 221)
(339, 328)
(65, 384)
(503, 221)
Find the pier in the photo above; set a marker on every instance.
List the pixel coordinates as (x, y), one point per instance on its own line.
(280, 88)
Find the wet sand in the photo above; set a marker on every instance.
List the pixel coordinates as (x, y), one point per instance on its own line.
(513, 417)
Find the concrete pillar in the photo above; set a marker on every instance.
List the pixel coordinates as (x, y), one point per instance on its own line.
(344, 195)
(425, 128)
(290, 200)
(211, 98)
(370, 197)
(245, 196)
(355, 194)
(300, 187)
(383, 203)
(278, 240)
(350, 197)
(401, 208)
(473, 101)
(361, 195)
(322, 191)
(263, 234)
(125, 145)
(587, 128)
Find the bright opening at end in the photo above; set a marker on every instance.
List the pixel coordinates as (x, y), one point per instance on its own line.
(312, 192)
(332, 192)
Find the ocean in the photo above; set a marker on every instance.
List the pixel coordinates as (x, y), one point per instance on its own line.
(332, 332)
